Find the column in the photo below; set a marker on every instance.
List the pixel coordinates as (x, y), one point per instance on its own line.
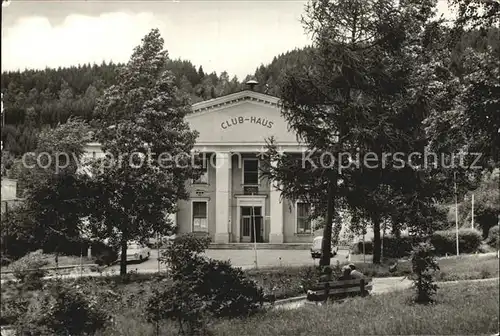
(222, 163)
(276, 213)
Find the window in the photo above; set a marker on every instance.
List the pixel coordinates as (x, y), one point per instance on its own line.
(303, 217)
(203, 179)
(250, 172)
(200, 218)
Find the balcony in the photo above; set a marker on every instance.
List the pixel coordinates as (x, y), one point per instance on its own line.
(250, 189)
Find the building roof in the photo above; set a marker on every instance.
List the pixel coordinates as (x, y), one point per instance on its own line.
(234, 98)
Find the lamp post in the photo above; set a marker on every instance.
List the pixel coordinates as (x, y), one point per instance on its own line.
(456, 211)
(254, 236)
(3, 121)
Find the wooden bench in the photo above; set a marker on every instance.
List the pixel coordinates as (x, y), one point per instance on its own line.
(339, 289)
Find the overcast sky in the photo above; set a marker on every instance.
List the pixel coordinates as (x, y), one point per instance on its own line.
(236, 36)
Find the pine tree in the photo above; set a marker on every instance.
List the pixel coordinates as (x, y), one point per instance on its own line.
(346, 104)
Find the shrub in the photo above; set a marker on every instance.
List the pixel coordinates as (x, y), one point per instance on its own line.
(14, 303)
(61, 309)
(202, 288)
(17, 236)
(393, 247)
(445, 242)
(400, 247)
(103, 255)
(357, 248)
(423, 266)
(28, 270)
(493, 237)
(310, 277)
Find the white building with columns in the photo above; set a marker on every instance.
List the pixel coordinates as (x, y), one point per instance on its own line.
(231, 202)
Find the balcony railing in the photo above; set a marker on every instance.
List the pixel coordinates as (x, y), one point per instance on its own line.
(250, 189)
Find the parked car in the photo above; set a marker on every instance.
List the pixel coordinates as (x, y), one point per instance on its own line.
(316, 248)
(136, 252)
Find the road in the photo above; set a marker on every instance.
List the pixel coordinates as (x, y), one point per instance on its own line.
(239, 258)
(243, 258)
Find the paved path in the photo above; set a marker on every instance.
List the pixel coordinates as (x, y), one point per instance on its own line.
(246, 258)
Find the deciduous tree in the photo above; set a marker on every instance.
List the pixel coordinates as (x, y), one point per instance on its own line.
(141, 123)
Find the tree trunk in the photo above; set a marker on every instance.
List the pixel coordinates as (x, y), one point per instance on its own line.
(123, 258)
(376, 241)
(326, 244)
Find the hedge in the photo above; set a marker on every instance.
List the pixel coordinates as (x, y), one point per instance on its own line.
(469, 241)
(443, 241)
(493, 236)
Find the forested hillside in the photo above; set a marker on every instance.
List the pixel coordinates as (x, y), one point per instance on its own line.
(34, 99)
(270, 76)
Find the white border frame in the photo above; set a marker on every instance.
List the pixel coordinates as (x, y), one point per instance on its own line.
(206, 201)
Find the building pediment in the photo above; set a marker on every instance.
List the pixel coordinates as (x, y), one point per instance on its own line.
(245, 117)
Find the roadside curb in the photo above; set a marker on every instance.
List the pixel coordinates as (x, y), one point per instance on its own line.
(289, 300)
(468, 280)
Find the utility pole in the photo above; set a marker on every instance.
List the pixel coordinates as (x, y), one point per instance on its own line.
(254, 236)
(364, 254)
(158, 245)
(3, 117)
(382, 243)
(472, 219)
(456, 211)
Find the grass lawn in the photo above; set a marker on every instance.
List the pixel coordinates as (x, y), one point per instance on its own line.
(286, 281)
(461, 309)
(466, 267)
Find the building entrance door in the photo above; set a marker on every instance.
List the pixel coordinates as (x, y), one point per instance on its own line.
(251, 224)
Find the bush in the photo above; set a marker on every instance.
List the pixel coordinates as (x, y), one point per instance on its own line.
(445, 242)
(357, 248)
(202, 288)
(21, 234)
(423, 266)
(103, 254)
(17, 236)
(28, 270)
(393, 247)
(493, 237)
(14, 303)
(61, 309)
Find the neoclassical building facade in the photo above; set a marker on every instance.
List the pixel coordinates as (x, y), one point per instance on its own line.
(231, 202)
